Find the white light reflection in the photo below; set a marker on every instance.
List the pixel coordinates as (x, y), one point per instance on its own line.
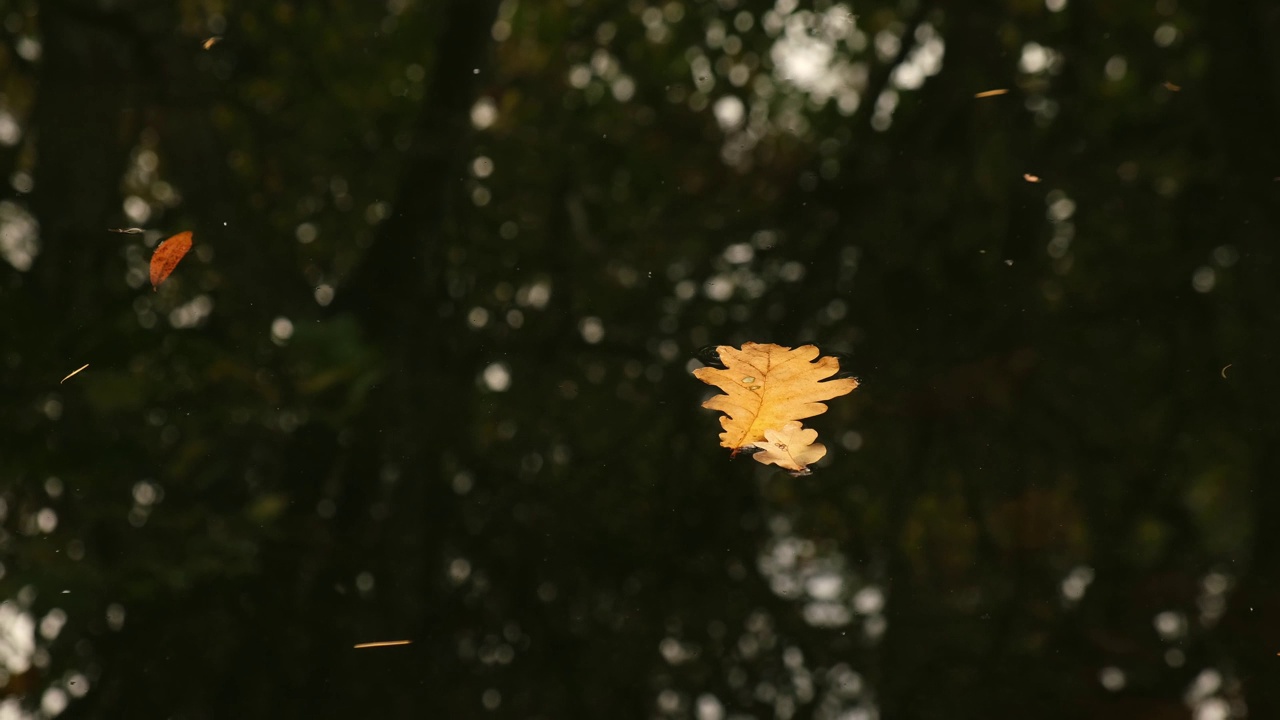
(1112, 678)
(1165, 35)
(137, 209)
(869, 600)
(1208, 682)
(482, 167)
(709, 707)
(281, 330)
(579, 76)
(1170, 625)
(17, 638)
(46, 520)
(739, 253)
(115, 616)
(536, 295)
(77, 685)
(824, 586)
(923, 62)
(1213, 709)
(459, 571)
(19, 236)
(719, 288)
(10, 131)
(53, 701)
(497, 377)
(1204, 279)
(28, 48)
(477, 317)
(191, 314)
(1213, 598)
(1037, 58)
(1116, 68)
(729, 112)
(1076, 583)
(592, 330)
(808, 55)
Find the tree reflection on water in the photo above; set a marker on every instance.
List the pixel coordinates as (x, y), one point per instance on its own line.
(425, 374)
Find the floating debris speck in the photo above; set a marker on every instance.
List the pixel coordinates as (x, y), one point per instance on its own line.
(383, 643)
(73, 373)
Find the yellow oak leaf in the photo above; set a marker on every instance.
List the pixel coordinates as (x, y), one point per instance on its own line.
(767, 386)
(791, 448)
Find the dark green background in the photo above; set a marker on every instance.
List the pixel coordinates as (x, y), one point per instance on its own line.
(1066, 505)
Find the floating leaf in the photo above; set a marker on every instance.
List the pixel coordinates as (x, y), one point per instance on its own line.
(791, 448)
(767, 386)
(167, 255)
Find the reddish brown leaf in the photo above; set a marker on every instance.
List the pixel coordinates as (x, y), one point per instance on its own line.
(167, 255)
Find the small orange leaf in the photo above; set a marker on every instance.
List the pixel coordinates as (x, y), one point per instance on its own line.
(167, 255)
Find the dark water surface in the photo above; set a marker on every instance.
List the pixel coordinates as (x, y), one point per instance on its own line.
(426, 373)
